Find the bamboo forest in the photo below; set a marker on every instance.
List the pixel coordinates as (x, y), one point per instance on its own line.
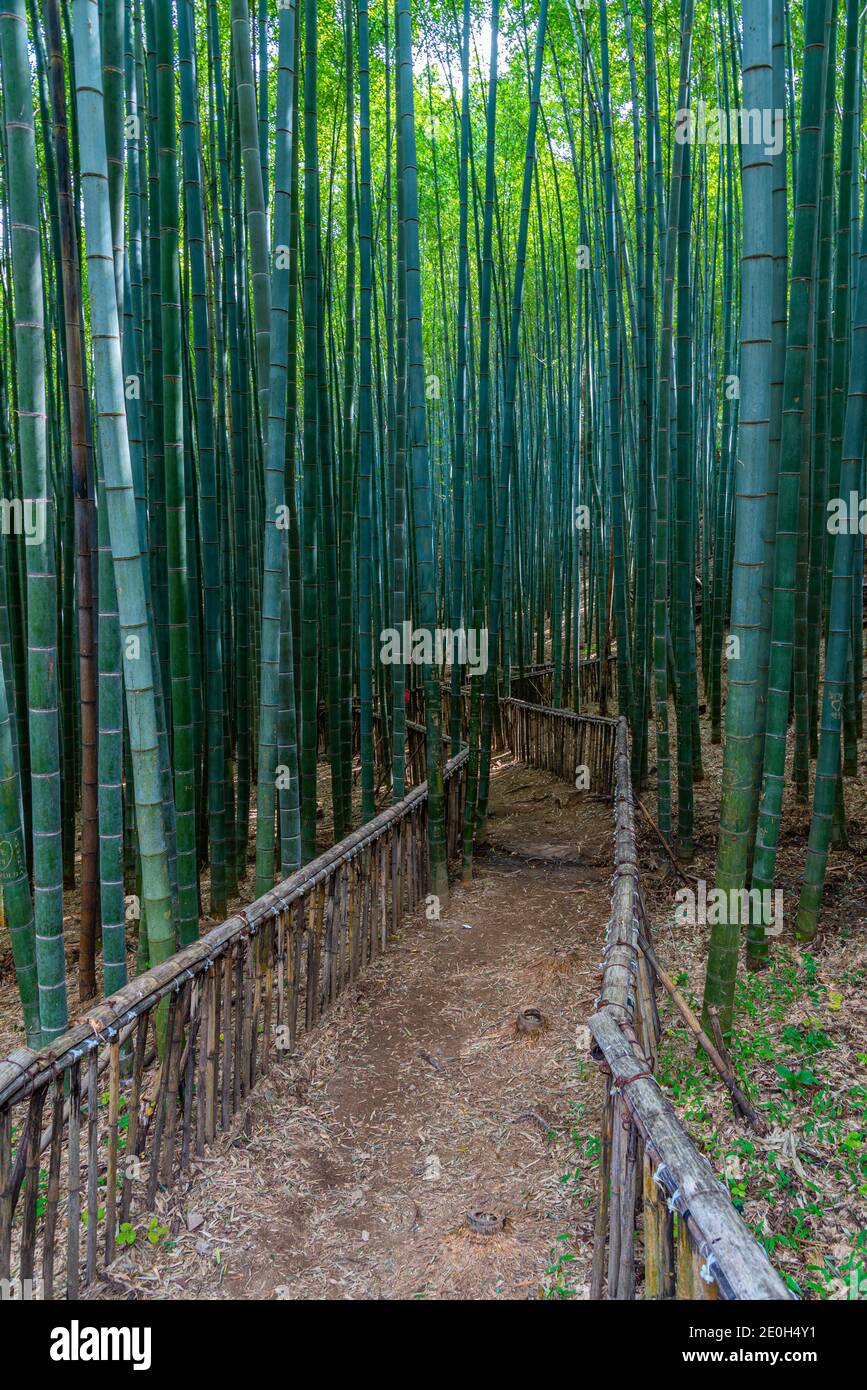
(433, 785)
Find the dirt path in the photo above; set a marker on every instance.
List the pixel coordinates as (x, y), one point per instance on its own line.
(353, 1169)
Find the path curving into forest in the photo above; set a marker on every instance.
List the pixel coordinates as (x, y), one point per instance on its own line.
(351, 1171)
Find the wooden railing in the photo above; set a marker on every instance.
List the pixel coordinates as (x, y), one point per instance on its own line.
(653, 1182)
(665, 1226)
(415, 750)
(563, 743)
(534, 686)
(92, 1126)
(536, 683)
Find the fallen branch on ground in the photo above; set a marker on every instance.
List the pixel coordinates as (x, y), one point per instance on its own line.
(739, 1100)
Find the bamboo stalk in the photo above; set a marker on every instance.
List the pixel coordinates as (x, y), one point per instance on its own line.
(92, 1167)
(31, 1189)
(111, 1167)
(133, 1112)
(52, 1192)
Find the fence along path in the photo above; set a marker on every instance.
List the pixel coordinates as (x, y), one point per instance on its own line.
(226, 1002)
(651, 1176)
(251, 985)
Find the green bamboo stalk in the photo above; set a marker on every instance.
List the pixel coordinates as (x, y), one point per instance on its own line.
(82, 485)
(309, 576)
(15, 900)
(276, 533)
(175, 484)
(129, 564)
(418, 446)
(365, 437)
(663, 444)
(794, 434)
(738, 786)
(36, 500)
(839, 640)
(204, 423)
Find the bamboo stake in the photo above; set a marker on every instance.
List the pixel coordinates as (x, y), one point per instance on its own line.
(92, 1165)
(220, 1007)
(31, 1190)
(658, 1239)
(295, 967)
(603, 1198)
(739, 1100)
(131, 1165)
(625, 1273)
(159, 1112)
(202, 1068)
(170, 1123)
(684, 1265)
(52, 1193)
(111, 1170)
(73, 1204)
(269, 1000)
(5, 1195)
(237, 1029)
(194, 1029)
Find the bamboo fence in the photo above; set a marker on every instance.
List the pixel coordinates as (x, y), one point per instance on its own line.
(663, 1219)
(664, 1224)
(535, 684)
(170, 1058)
(560, 742)
(118, 1124)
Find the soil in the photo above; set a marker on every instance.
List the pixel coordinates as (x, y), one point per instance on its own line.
(418, 1102)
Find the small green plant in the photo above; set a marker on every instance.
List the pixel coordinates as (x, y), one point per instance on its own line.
(798, 1080)
(808, 1039)
(155, 1231)
(556, 1285)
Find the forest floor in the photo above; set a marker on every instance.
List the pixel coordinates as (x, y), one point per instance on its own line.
(799, 1042)
(353, 1168)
